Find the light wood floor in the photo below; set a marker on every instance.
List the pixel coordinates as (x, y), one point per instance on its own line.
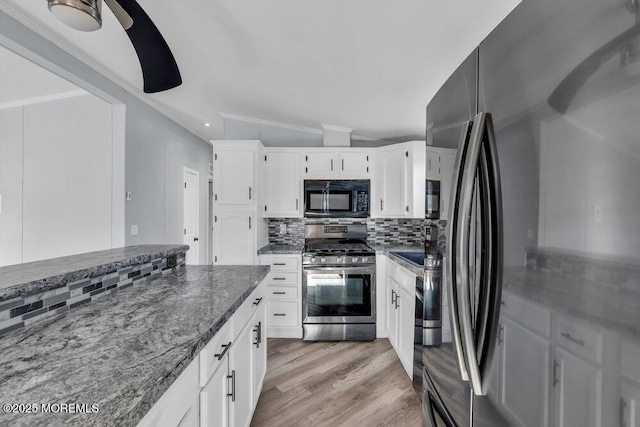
(335, 384)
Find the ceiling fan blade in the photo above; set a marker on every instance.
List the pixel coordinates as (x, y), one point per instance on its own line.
(123, 17)
(159, 68)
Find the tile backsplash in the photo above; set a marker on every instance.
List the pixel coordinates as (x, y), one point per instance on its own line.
(390, 232)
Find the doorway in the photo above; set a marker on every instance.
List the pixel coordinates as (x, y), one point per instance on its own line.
(191, 217)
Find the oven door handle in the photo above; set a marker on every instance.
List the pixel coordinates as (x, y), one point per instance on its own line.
(320, 270)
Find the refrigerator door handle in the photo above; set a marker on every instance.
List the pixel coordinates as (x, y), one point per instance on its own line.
(451, 265)
(480, 174)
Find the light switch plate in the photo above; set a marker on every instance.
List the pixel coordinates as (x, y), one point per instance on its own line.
(134, 230)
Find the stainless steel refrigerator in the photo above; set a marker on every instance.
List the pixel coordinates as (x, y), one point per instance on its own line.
(543, 247)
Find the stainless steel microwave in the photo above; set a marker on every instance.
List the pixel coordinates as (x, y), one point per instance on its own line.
(336, 198)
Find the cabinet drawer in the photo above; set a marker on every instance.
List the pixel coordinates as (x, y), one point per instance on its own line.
(281, 263)
(579, 339)
(248, 308)
(275, 293)
(209, 362)
(529, 315)
(282, 278)
(281, 313)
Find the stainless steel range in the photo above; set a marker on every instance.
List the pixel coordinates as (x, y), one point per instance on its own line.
(338, 285)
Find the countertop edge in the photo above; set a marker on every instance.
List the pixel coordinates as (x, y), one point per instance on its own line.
(137, 413)
(35, 287)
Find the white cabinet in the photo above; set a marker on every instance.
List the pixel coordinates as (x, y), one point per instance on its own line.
(214, 410)
(241, 369)
(283, 188)
(284, 295)
(400, 312)
(576, 389)
(523, 373)
(434, 164)
(446, 181)
(398, 189)
(330, 163)
(234, 240)
(259, 349)
(629, 405)
(178, 405)
(234, 171)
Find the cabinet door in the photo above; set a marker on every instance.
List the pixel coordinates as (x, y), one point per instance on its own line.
(241, 368)
(524, 374)
(406, 311)
(282, 185)
(354, 164)
(393, 197)
(434, 159)
(234, 177)
(234, 238)
(392, 311)
(260, 348)
(448, 161)
(214, 405)
(576, 389)
(629, 405)
(319, 164)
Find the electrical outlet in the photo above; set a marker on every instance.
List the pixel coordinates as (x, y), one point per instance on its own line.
(134, 230)
(283, 228)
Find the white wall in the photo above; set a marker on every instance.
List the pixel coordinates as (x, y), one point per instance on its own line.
(61, 171)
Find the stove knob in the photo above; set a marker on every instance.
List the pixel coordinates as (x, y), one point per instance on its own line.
(364, 259)
(323, 259)
(354, 259)
(313, 259)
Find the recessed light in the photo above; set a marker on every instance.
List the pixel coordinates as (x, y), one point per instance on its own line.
(207, 124)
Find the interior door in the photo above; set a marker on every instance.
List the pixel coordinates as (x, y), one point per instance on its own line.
(190, 215)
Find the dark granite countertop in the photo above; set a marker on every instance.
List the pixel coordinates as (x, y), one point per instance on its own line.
(276, 249)
(123, 351)
(386, 250)
(590, 301)
(22, 280)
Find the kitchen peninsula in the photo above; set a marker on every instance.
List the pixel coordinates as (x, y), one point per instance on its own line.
(121, 352)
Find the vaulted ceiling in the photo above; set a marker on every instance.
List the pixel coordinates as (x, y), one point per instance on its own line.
(370, 65)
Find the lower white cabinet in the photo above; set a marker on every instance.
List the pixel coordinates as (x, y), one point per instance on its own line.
(523, 361)
(284, 295)
(576, 388)
(221, 386)
(400, 312)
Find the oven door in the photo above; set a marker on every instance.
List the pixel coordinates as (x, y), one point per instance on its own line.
(339, 295)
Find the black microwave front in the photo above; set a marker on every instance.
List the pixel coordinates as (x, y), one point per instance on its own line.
(336, 198)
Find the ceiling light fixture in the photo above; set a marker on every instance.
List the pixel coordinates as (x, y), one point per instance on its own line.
(82, 15)
(207, 124)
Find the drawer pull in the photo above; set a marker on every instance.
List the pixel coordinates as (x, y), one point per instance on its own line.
(571, 338)
(279, 263)
(279, 278)
(279, 293)
(257, 301)
(225, 348)
(232, 377)
(279, 314)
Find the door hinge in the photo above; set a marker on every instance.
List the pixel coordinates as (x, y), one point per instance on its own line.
(265, 208)
(367, 168)
(306, 170)
(265, 158)
(215, 258)
(185, 231)
(406, 153)
(215, 157)
(407, 208)
(367, 158)
(215, 218)
(215, 197)
(306, 158)
(185, 185)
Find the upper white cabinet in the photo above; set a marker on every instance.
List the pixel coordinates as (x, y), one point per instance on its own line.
(398, 189)
(283, 193)
(434, 164)
(330, 163)
(234, 238)
(234, 173)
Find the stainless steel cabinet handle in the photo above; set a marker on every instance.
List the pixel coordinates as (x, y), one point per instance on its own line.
(393, 299)
(249, 193)
(296, 204)
(556, 365)
(258, 331)
(279, 314)
(279, 263)
(397, 299)
(380, 204)
(331, 164)
(249, 223)
(225, 348)
(501, 335)
(232, 377)
(342, 164)
(571, 338)
(257, 301)
(279, 293)
(279, 278)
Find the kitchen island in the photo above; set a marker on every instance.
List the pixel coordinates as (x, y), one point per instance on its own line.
(121, 352)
